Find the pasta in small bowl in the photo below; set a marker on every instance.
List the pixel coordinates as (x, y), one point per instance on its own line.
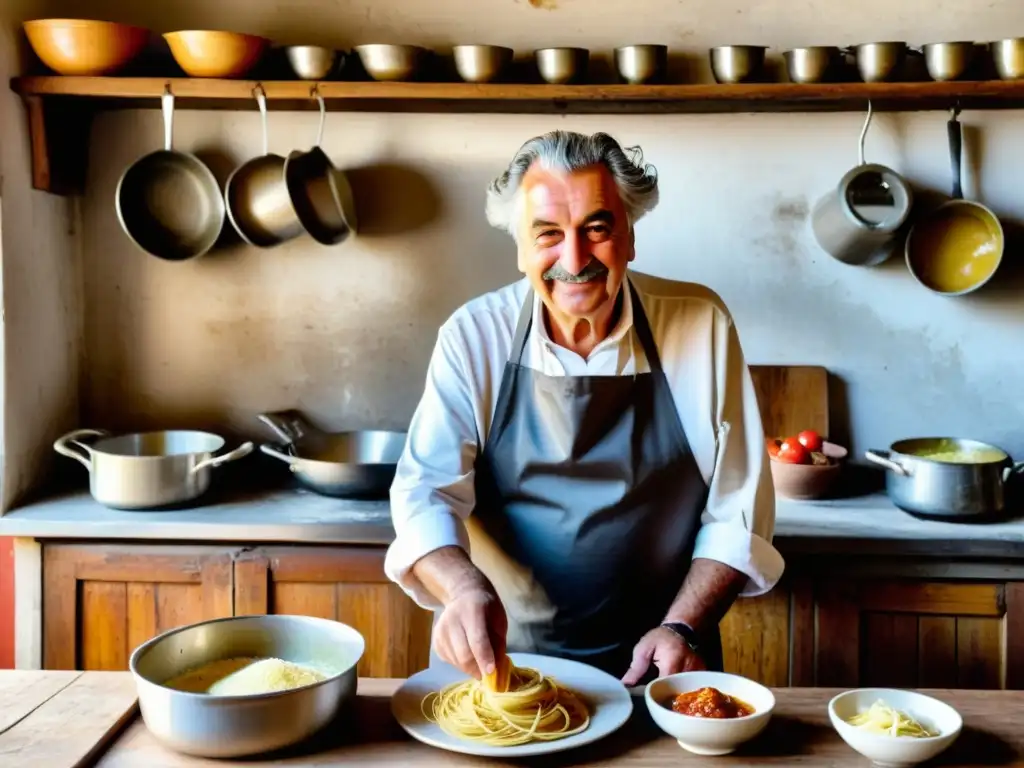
(894, 728)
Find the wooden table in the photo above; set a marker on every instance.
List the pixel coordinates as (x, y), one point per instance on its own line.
(70, 719)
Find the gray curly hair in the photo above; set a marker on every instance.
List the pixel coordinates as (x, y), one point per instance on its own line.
(568, 151)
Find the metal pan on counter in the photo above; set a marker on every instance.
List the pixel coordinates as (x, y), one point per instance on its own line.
(947, 477)
(359, 465)
(147, 470)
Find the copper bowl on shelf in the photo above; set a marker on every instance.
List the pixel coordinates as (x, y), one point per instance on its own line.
(84, 47)
(215, 53)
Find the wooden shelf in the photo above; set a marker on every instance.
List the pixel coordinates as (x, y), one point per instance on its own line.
(60, 108)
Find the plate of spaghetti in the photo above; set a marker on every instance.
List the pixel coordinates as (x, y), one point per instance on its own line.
(531, 705)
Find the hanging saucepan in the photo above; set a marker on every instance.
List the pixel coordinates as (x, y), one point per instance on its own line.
(956, 248)
(169, 202)
(256, 195)
(147, 470)
(947, 477)
(343, 464)
(859, 221)
(320, 192)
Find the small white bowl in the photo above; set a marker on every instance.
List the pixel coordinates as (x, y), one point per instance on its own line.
(702, 735)
(896, 751)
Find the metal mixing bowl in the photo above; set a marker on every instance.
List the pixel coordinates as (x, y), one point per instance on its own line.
(559, 66)
(737, 63)
(638, 64)
(1008, 56)
(948, 61)
(391, 62)
(879, 62)
(235, 726)
(311, 62)
(814, 64)
(481, 63)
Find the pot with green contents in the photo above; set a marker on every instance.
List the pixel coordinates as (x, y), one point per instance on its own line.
(947, 477)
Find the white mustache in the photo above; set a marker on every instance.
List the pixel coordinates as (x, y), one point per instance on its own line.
(593, 271)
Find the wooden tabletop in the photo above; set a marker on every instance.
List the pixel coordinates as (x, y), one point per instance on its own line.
(71, 719)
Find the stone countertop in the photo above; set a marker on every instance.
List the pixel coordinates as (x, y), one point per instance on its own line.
(867, 524)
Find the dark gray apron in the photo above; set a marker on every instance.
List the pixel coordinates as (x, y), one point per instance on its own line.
(588, 494)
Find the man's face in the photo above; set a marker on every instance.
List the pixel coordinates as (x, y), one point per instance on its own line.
(574, 239)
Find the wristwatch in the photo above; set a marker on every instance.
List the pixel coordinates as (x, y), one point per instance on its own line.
(685, 632)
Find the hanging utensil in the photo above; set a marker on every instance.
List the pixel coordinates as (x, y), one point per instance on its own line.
(858, 222)
(320, 192)
(168, 202)
(256, 195)
(958, 247)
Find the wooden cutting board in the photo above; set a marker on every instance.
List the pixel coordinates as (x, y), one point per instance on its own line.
(61, 719)
(792, 398)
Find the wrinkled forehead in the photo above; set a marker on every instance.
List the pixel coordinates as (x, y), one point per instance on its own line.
(568, 198)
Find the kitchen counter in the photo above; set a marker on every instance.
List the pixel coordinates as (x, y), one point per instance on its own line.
(862, 525)
(44, 721)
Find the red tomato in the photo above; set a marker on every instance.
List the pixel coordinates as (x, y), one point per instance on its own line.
(810, 440)
(773, 447)
(793, 452)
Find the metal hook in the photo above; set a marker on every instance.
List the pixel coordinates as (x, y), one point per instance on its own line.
(954, 111)
(863, 133)
(167, 90)
(261, 100)
(314, 92)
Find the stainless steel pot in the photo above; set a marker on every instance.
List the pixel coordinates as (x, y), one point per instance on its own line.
(147, 470)
(169, 202)
(859, 221)
(236, 726)
(342, 464)
(925, 486)
(256, 195)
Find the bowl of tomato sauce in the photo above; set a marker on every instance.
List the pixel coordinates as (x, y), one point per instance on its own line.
(709, 713)
(804, 465)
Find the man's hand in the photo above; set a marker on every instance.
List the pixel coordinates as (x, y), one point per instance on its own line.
(470, 633)
(667, 650)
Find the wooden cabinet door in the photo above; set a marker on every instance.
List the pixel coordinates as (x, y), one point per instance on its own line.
(919, 634)
(756, 637)
(100, 601)
(343, 583)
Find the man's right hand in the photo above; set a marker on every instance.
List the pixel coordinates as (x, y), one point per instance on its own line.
(470, 633)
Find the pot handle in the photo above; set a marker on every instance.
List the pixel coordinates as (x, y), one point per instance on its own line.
(62, 445)
(882, 459)
(272, 451)
(1010, 471)
(287, 425)
(215, 461)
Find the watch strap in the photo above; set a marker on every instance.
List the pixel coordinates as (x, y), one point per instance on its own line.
(685, 632)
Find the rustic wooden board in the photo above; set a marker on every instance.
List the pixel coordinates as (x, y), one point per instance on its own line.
(74, 726)
(21, 692)
(791, 398)
(799, 735)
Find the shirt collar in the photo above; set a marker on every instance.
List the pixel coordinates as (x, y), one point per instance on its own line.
(617, 334)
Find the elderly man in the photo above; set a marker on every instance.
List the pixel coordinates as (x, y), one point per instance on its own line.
(585, 475)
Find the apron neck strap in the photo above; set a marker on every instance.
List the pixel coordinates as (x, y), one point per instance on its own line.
(640, 326)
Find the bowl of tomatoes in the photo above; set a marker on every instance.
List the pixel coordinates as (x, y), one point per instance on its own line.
(805, 465)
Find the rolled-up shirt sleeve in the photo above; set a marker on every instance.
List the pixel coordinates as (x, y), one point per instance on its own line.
(738, 522)
(432, 493)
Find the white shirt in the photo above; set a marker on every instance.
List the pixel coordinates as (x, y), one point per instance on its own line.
(711, 385)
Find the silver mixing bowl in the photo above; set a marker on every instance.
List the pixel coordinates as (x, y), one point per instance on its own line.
(235, 726)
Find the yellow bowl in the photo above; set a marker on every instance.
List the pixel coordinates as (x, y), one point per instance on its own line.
(84, 47)
(213, 53)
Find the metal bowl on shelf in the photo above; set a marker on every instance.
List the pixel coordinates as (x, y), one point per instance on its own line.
(948, 61)
(813, 64)
(639, 64)
(737, 63)
(206, 725)
(1008, 56)
(880, 62)
(562, 66)
(311, 62)
(481, 63)
(388, 62)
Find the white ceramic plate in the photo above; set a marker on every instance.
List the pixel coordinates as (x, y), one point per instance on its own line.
(608, 700)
